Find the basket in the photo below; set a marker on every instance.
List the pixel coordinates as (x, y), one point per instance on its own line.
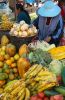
(17, 41)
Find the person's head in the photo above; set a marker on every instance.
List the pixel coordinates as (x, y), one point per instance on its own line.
(62, 2)
(19, 8)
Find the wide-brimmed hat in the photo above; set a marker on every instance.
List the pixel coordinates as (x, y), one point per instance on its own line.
(49, 9)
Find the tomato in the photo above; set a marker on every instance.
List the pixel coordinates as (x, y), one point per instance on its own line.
(41, 94)
(52, 98)
(39, 98)
(58, 97)
(33, 98)
(46, 98)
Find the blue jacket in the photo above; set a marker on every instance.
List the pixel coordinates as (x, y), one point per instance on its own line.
(55, 29)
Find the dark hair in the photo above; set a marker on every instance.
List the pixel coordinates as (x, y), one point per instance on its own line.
(21, 7)
(61, 0)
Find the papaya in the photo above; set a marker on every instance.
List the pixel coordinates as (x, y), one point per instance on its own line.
(23, 65)
(23, 50)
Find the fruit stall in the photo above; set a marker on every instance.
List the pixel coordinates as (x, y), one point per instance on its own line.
(28, 70)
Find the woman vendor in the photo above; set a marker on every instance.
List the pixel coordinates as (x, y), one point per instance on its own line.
(49, 23)
(62, 6)
(22, 14)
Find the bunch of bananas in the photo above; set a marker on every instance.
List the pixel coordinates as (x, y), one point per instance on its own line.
(36, 79)
(16, 91)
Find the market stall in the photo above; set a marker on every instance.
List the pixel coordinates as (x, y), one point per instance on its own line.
(29, 70)
(35, 71)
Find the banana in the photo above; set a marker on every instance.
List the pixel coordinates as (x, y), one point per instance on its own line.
(33, 83)
(35, 72)
(21, 92)
(41, 88)
(12, 86)
(42, 78)
(27, 96)
(31, 70)
(10, 83)
(44, 73)
(17, 90)
(22, 96)
(7, 96)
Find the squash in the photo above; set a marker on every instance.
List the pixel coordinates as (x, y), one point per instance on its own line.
(58, 52)
(10, 49)
(23, 50)
(23, 65)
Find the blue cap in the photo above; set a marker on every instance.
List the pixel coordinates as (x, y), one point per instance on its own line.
(49, 9)
(29, 1)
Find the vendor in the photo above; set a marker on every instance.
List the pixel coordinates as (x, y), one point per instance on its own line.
(49, 23)
(62, 6)
(22, 14)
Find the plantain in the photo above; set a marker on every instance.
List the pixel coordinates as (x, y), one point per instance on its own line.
(27, 96)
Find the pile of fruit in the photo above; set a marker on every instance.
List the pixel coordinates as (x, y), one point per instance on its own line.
(6, 24)
(36, 79)
(8, 64)
(31, 73)
(23, 30)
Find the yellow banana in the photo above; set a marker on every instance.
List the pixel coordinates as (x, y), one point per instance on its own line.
(21, 92)
(13, 86)
(31, 70)
(33, 83)
(27, 96)
(7, 96)
(17, 90)
(35, 72)
(22, 96)
(11, 82)
(41, 88)
(42, 78)
(44, 73)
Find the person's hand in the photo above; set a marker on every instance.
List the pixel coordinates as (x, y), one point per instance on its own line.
(34, 40)
(47, 39)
